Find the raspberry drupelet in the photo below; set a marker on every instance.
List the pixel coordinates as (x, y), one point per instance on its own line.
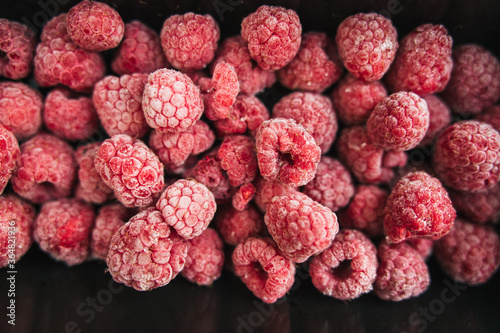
(479, 207)
(268, 189)
(9, 155)
(423, 246)
(243, 196)
(17, 46)
(439, 118)
(236, 226)
(222, 91)
(238, 158)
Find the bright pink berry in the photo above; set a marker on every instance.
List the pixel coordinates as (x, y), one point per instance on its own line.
(491, 116)
(243, 196)
(17, 45)
(235, 226)
(479, 207)
(238, 158)
(439, 118)
(9, 155)
(423, 246)
(223, 89)
(268, 189)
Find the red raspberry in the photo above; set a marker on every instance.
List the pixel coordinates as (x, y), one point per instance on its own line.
(46, 169)
(273, 34)
(243, 196)
(190, 40)
(62, 229)
(145, 253)
(171, 102)
(491, 116)
(423, 62)
(286, 152)
(467, 156)
(347, 269)
(237, 156)
(263, 268)
(95, 26)
(17, 46)
(9, 155)
(20, 109)
(439, 118)
(367, 44)
(140, 51)
(235, 226)
(479, 207)
(300, 226)
(268, 189)
(223, 89)
(423, 246)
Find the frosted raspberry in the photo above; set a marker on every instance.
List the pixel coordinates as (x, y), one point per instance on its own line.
(223, 89)
(469, 253)
(237, 156)
(20, 109)
(17, 46)
(467, 156)
(95, 26)
(286, 152)
(243, 196)
(62, 229)
(263, 268)
(300, 226)
(9, 155)
(479, 207)
(491, 116)
(46, 169)
(423, 246)
(439, 118)
(367, 44)
(347, 269)
(190, 40)
(268, 189)
(273, 34)
(145, 253)
(235, 226)
(313, 111)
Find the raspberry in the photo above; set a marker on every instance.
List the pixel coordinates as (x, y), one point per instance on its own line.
(475, 80)
(263, 268)
(131, 169)
(423, 246)
(491, 116)
(315, 67)
(243, 196)
(273, 34)
(224, 88)
(467, 156)
(69, 116)
(20, 109)
(439, 118)
(18, 217)
(187, 206)
(140, 51)
(46, 169)
(347, 269)
(235, 226)
(268, 189)
(286, 152)
(118, 101)
(9, 155)
(171, 102)
(399, 122)
(17, 46)
(94, 26)
(62, 229)
(314, 112)
(300, 226)
(469, 253)
(204, 259)
(332, 186)
(190, 40)
(145, 253)
(367, 44)
(423, 62)
(401, 274)
(237, 156)
(479, 207)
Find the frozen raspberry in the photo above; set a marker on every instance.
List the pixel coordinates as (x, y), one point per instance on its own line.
(16, 221)
(9, 155)
(367, 44)
(237, 156)
(268, 189)
(243, 196)
(467, 156)
(145, 253)
(17, 47)
(62, 229)
(423, 62)
(263, 268)
(273, 34)
(439, 118)
(300, 226)
(354, 99)
(235, 226)
(20, 109)
(286, 152)
(190, 40)
(46, 169)
(491, 116)
(347, 269)
(423, 246)
(140, 51)
(95, 26)
(223, 89)
(479, 207)
(401, 274)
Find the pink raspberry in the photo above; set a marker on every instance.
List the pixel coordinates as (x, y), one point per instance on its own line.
(313, 111)
(46, 169)
(268, 189)
(286, 152)
(347, 269)
(423, 62)
(243, 196)
(95, 26)
(190, 40)
(423, 246)
(480, 207)
(145, 253)
(439, 118)
(237, 156)
(20, 109)
(9, 155)
(467, 156)
(491, 116)
(62, 229)
(140, 51)
(367, 44)
(223, 89)
(273, 34)
(17, 46)
(300, 226)
(263, 269)
(235, 226)
(171, 102)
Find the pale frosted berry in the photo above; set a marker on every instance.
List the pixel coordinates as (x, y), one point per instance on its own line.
(238, 158)
(439, 118)
(423, 246)
(17, 46)
(222, 91)
(9, 155)
(243, 196)
(479, 207)
(235, 226)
